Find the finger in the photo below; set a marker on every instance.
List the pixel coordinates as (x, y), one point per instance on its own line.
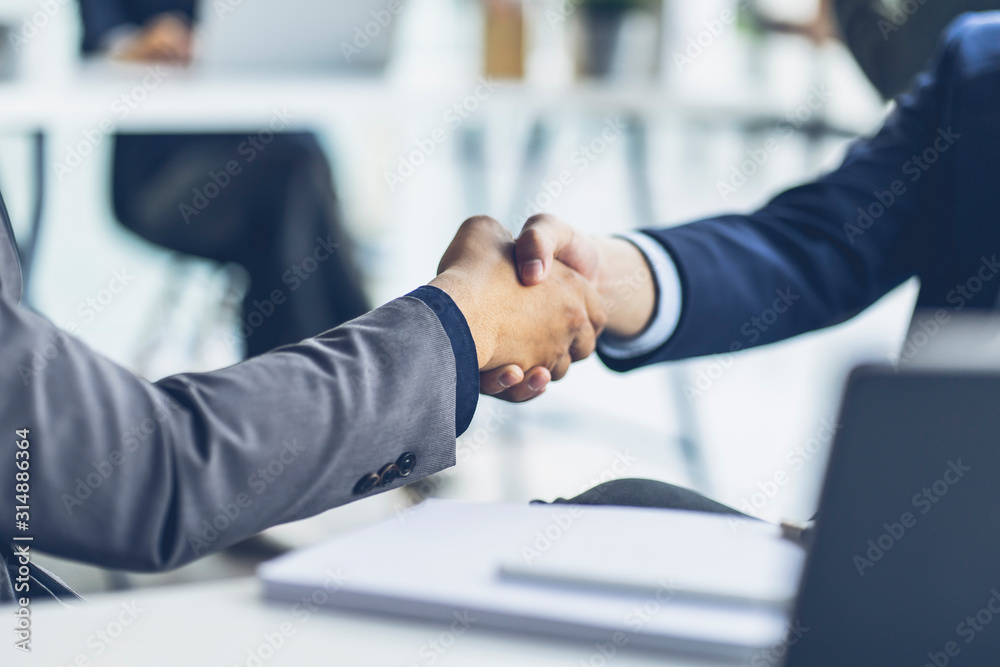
(561, 367)
(475, 235)
(585, 343)
(540, 242)
(534, 385)
(162, 49)
(500, 379)
(595, 307)
(537, 379)
(484, 225)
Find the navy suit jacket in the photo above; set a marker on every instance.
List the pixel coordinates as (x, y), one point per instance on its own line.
(921, 198)
(100, 17)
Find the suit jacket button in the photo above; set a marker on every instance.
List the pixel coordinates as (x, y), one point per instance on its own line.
(366, 484)
(406, 463)
(388, 474)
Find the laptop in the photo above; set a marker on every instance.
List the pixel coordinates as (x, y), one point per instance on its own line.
(905, 563)
(904, 567)
(296, 35)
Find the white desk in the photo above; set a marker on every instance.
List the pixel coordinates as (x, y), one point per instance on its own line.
(216, 625)
(190, 100)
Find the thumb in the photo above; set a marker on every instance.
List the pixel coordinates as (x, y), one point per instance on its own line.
(540, 243)
(545, 239)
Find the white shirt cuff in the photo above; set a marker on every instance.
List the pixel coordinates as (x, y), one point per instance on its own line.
(668, 306)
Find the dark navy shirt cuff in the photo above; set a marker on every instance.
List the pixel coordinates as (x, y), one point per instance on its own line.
(464, 347)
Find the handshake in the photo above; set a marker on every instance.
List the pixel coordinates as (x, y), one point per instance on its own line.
(538, 304)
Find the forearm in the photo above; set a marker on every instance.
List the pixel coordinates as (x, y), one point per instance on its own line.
(818, 254)
(141, 476)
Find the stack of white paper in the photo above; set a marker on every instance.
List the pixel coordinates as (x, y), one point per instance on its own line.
(666, 580)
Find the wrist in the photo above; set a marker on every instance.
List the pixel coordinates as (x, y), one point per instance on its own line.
(626, 285)
(456, 284)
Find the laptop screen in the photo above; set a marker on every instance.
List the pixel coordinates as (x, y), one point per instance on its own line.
(903, 570)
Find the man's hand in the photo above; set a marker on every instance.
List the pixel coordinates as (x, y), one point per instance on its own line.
(165, 38)
(616, 268)
(543, 328)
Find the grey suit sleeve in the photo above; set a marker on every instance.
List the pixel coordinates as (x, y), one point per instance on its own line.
(132, 475)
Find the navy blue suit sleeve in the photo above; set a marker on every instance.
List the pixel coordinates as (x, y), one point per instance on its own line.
(464, 347)
(99, 17)
(820, 253)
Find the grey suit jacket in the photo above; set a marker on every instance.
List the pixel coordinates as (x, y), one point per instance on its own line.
(149, 476)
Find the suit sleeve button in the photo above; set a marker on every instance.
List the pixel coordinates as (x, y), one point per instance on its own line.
(406, 463)
(388, 474)
(366, 484)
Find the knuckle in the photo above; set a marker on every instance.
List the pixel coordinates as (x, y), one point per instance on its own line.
(539, 218)
(479, 221)
(583, 349)
(600, 320)
(532, 239)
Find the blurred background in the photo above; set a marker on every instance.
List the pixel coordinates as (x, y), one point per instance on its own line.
(377, 126)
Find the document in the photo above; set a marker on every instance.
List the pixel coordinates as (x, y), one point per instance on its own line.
(647, 578)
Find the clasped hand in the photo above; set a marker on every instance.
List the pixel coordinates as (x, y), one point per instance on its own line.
(542, 328)
(530, 321)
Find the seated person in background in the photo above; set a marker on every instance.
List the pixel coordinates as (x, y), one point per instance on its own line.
(917, 199)
(132, 475)
(894, 40)
(276, 212)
